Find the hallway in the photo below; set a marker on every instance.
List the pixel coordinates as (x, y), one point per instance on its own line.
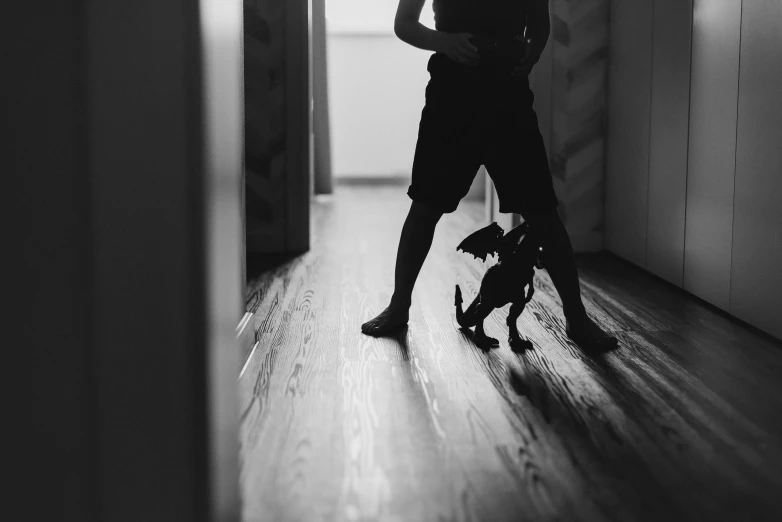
(682, 422)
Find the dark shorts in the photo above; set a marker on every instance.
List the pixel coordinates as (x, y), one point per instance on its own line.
(477, 116)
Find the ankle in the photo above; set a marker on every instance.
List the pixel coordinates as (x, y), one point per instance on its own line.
(400, 302)
(576, 317)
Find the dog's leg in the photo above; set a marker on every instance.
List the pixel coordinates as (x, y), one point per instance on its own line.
(517, 344)
(481, 339)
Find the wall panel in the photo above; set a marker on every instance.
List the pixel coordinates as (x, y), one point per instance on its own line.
(579, 49)
(629, 86)
(712, 149)
(265, 125)
(669, 115)
(278, 125)
(756, 270)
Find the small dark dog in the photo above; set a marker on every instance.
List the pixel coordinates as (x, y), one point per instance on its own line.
(503, 282)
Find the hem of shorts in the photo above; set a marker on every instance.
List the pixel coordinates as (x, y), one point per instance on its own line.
(502, 210)
(438, 208)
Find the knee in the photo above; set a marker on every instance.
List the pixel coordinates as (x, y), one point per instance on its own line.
(551, 233)
(422, 215)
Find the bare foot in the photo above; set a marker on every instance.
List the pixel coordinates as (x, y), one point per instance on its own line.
(589, 336)
(388, 322)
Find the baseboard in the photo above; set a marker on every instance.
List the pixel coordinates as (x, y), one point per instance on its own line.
(245, 335)
(586, 242)
(714, 308)
(372, 180)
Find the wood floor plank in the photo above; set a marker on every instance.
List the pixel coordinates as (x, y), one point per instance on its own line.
(682, 422)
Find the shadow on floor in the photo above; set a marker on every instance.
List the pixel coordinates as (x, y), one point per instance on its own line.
(401, 339)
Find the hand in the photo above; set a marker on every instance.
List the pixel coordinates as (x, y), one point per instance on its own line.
(458, 48)
(531, 57)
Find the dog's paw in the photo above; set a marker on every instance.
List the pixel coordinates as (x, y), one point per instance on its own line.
(518, 345)
(485, 342)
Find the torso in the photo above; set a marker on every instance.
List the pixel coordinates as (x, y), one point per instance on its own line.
(454, 16)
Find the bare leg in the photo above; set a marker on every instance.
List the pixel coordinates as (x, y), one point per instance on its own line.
(560, 262)
(414, 245)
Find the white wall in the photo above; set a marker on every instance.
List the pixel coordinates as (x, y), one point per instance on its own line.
(371, 12)
(694, 165)
(376, 89)
(756, 255)
(712, 149)
(376, 93)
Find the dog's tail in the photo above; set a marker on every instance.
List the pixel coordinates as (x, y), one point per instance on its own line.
(458, 302)
(465, 318)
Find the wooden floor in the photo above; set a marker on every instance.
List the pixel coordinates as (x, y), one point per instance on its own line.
(682, 422)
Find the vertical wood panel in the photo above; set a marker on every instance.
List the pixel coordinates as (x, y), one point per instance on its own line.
(628, 128)
(712, 149)
(579, 43)
(668, 138)
(756, 270)
(265, 88)
(321, 122)
(298, 109)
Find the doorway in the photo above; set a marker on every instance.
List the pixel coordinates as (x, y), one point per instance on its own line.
(348, 121)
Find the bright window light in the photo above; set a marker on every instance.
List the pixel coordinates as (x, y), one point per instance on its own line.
(371, 12)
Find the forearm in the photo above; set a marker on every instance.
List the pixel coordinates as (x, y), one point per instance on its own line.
(418, 35)
(538, 25)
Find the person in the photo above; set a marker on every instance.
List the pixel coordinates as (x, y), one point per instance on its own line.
(478, 111)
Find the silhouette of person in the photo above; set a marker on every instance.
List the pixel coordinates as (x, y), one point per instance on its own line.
(478, 111)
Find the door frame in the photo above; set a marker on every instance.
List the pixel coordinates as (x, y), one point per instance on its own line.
(125, 215)
(299, 127)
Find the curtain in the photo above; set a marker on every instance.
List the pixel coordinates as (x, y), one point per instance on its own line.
(320, 117)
